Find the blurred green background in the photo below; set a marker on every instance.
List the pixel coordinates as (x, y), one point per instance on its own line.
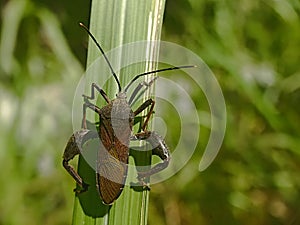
(253, 48)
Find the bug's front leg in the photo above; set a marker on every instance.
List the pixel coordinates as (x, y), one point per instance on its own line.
(87, 103)
(73, 148)
(159, 148)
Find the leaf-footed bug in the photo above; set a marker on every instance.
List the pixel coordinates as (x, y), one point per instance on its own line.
(116, 120)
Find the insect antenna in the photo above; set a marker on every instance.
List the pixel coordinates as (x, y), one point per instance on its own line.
(101, 50)
(155, 71)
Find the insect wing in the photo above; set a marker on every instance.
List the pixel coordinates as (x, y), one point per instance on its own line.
(111, 175)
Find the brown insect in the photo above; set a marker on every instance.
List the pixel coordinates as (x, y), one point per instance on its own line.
(116, 120)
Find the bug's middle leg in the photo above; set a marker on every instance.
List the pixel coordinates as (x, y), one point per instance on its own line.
(150, 102)
(86, 105)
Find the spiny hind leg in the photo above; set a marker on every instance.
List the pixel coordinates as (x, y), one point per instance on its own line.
(73, 148)
(159, 148)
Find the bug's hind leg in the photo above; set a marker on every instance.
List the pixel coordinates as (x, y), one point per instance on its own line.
(159, 148)
(73, 148)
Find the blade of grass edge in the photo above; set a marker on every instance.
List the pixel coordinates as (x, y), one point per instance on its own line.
(115, 23)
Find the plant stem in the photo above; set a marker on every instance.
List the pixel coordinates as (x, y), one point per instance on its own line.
(114, 23)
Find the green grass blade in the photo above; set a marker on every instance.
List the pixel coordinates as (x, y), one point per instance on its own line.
(115, 23)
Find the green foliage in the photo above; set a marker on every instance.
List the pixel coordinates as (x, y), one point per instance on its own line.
(38, 74)
(253, 49)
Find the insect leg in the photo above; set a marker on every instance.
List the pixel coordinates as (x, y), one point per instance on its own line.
(159, 148)
(150, 102)
(73, 148)
(138, 88)
(93, 87)
(86, 105)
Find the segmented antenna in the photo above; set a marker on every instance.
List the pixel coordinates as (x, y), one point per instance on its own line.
(137, 76)
(155, 71)
(101, 50)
